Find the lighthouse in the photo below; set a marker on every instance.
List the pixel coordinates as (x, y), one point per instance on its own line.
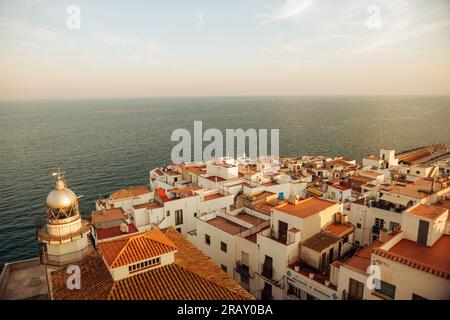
(64, 235)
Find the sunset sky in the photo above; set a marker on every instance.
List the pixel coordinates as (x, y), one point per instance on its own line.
(204, 48)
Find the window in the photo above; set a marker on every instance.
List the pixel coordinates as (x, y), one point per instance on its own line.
(223, 246)
(144, 264)
(178, 217)
(245, 280)
(393, 225)
(386, 289)
(223, 267)
(179, 230)
(207, 240)
(195, 214)
(357, 242)
(358, 225)
(379, 223)
(417, 172)
(168, 213)
(355, 290)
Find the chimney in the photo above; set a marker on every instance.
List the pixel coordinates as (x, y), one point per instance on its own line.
(337, 217)
(384, 235)
(124, 228)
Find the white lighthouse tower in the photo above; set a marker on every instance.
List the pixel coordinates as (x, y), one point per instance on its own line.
(65, 235)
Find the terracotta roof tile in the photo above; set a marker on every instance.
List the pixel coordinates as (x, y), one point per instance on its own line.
(135, 248)
(192, 276)
(96, 281)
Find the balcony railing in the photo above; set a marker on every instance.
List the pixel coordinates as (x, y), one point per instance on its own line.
(242, 269)
(281, 237)
(347, 296)
(267, 272)
(43, 235)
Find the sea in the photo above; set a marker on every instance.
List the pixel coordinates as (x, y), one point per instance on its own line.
(104, 145)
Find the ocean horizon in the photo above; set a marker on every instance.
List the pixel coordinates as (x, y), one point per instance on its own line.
(106, 144)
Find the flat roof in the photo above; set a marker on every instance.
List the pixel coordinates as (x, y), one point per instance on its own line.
(361, 259)
(320, 241)
(369, 173)
(148, 205)
(419, 189)
(434, 259)
(25, 280)
(307, 207)
(213, 196)
(361, 178)
(112, 232)
(255, 221)
(100, 216)
(443, 204)
(338, 229)
(227, 225)
(129, 192)
(428, 212)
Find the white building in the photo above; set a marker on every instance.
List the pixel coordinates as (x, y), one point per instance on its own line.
(414, 261)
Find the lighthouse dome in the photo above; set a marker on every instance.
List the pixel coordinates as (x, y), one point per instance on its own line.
(62, 203)
(61, 198)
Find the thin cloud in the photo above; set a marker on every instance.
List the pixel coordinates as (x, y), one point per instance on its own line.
(121, 41)
(200, 20)
(290, 9)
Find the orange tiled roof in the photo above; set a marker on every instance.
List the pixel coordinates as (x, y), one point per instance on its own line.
(96, 281)
(193, 276)
(191, 258)
(130, 192)
(170, 282)
(135, 248)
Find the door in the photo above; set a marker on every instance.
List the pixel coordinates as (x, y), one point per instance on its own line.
(422, 234)
(323, 261)
(267, 268)
(330, 258)
(355, 290)
(282, 231)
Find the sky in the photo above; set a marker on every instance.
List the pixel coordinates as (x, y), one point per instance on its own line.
(214, 48)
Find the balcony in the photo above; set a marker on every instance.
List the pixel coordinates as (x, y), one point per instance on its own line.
(243, 269)
(43, 235)
(321, 277)
(347, 296)
(267, 272)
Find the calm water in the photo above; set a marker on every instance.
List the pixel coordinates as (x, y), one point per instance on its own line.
(104, 145)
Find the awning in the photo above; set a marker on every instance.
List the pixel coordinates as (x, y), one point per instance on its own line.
(315, 192)
(395, 199)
